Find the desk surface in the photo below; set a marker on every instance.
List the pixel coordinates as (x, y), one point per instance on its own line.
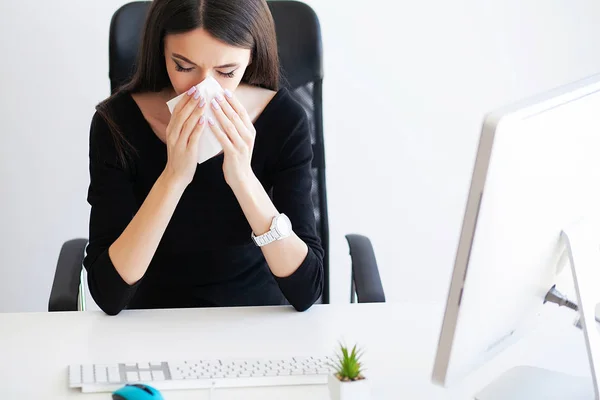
(399, 339)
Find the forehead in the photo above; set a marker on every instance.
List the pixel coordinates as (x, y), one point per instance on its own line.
(203, 49)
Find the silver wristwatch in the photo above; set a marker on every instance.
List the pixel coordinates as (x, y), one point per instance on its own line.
(281, 227)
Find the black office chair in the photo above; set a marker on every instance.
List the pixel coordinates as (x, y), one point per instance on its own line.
(300, 51)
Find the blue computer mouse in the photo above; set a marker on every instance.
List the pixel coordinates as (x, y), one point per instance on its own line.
(137, 391)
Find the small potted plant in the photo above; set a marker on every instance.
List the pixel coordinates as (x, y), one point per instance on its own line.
(347, 381)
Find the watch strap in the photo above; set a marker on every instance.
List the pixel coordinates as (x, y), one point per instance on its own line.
(269, 237)
(266, 238)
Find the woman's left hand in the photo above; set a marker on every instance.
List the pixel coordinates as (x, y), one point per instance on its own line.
(236, 138)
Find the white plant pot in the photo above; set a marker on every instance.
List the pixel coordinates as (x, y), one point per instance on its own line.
(351, 390)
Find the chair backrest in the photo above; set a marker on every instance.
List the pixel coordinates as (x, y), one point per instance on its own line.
(300, 51)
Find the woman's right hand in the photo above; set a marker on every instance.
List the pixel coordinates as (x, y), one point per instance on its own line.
(183, 134)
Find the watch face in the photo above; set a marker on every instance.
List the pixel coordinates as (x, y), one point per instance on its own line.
(284, 225)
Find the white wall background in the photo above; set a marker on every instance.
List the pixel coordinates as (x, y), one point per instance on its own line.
(406, 87)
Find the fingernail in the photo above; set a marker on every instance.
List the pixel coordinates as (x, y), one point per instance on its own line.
(201, 120)
(197, 95)
(192, 90)
(215, 105)
(211, 121)
(220, 98)
(202, 103)
(228, 93)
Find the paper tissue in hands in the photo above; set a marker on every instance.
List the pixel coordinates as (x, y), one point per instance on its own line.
(209, 145)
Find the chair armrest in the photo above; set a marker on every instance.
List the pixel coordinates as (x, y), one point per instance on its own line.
(365, 274)
(65, 288)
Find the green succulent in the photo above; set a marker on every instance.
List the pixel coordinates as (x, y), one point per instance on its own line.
(349, 366)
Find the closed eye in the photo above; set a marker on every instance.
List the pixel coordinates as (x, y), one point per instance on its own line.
(230, 74)
(181, 69)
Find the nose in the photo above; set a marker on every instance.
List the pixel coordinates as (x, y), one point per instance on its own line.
(203, 75)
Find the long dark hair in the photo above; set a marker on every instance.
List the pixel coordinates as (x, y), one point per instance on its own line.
(242, 23)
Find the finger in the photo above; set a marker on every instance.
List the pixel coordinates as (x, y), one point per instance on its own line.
(221, 136)
(172, 128)
(231, 114)
(240, 110)
(196, 133)
(234, 117)
(184, 113)
(227, 125)
(248, 134)
(192, 121)
(184, 100)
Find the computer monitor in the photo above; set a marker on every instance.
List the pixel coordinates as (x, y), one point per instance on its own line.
(537, 172)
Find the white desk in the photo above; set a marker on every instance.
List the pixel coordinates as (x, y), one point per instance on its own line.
(400, 341)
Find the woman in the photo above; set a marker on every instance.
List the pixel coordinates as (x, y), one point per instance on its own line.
(167, 232)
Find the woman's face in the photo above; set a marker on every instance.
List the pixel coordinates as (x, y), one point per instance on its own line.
(192, 56)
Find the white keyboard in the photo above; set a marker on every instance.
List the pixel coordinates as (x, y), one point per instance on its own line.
(202, 374)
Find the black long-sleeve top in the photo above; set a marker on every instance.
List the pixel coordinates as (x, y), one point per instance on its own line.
(206, 257)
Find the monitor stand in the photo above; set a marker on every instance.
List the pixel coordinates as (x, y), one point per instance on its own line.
(582, 244)
(532, 383)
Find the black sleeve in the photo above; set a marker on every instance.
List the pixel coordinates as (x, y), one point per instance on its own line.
(112, 203)
(292, 196)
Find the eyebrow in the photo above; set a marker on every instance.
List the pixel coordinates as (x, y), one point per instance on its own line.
(187, 60)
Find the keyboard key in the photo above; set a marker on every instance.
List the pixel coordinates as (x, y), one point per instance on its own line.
(176, 374)
(114, 374)
(75, 375)
(101, 374)
(88, 374)
(158, 376)
(132, 376)
(145, 376)
(191, 363)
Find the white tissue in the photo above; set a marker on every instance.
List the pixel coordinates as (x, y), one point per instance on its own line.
(209, 145)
